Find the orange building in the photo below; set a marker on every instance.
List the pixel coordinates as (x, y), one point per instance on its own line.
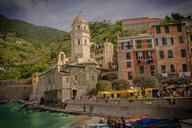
(136, 55)
(172, 49)
(140, 25)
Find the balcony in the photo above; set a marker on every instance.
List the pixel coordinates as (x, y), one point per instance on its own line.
(145, 61)
(184, 74)
(140, 48)
(164, 74)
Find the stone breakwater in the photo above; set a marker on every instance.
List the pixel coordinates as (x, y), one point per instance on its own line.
(15, 89)
(181, 108)
(15, 92)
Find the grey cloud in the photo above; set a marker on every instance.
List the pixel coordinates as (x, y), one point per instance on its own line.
(60, 13)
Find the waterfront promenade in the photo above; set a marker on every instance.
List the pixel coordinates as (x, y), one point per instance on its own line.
(169, 108)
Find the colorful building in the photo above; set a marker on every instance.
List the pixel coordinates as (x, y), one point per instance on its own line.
(136, 56)
(172, 49)
(140, 25)
(166, 50)
(189, 38)
(103, 54)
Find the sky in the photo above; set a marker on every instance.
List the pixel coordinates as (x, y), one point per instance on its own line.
(59, 14)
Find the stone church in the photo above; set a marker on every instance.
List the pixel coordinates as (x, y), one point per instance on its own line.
(71, 77)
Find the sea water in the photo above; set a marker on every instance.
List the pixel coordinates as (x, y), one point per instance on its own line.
(13, 115)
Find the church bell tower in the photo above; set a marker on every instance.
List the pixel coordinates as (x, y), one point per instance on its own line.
(80, 40)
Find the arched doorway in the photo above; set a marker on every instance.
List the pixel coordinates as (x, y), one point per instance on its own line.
(74, 93)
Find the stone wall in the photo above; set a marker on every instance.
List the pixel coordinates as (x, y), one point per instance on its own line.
(15, 89)
(15, 92)
(158, 108)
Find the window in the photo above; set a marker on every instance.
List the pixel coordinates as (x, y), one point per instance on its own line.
(172, 67)
(128, 56)
(181, 40)
(158, 41)
(128, 64)
(140, 55)
(161, 54)
(183, 53)
(84, 27)
(75, 77)
(129, 46)
(164, 41)
(170, 54)
(79, 42)
(166, 29)
(85, 42)
(179, 29)
(141, 69)
(126, 45)
(158, 29)
(130, 76)
(184, 67)
(149, 43)
(163, 68)
(172, 41)
(149, 55)
(191, 38)
(152, 69)
(78, 27)
(139, 44)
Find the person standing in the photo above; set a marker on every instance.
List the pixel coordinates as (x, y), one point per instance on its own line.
(84, 108)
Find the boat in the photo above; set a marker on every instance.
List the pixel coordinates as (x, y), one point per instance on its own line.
(100, 125)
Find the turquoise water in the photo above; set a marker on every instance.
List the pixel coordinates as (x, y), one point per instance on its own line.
(12, 115)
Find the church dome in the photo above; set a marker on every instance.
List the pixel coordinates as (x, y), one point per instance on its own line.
(79, 19)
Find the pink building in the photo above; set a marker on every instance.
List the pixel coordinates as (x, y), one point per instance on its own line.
(136, 55)
(172, 49)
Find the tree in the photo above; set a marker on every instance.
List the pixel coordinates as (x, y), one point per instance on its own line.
(145, 81)
(175, 18)
(103, 85)
(120, 84)
(178, 81)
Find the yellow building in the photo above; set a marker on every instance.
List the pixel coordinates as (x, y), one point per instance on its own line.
(103, 54)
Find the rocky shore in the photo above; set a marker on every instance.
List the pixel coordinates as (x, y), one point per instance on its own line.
(81, 118)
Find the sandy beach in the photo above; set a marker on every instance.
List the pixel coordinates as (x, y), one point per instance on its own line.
(82, 120)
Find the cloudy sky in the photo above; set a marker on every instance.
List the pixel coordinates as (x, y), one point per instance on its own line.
(60, 13)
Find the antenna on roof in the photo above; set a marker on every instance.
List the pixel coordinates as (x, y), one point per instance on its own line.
(80, 12)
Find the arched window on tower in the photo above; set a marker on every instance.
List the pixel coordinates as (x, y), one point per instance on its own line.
(78, 27)
(79, 42)
(84, 27)
(85, 42)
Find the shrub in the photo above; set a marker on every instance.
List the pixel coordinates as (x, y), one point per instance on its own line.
(145, 81)
(103, 85)
(120, 84)
(177, 81)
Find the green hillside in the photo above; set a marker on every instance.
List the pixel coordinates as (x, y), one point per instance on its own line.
(105, 30)
(26, 48)
(35, 34)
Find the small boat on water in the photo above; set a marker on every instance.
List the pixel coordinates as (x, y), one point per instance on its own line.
(100, 125)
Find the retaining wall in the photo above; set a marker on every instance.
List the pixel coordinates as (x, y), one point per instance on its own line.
(15, 92)
(157, 108)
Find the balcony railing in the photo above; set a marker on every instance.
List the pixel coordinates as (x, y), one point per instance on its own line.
(145, 61)
(184, 74)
